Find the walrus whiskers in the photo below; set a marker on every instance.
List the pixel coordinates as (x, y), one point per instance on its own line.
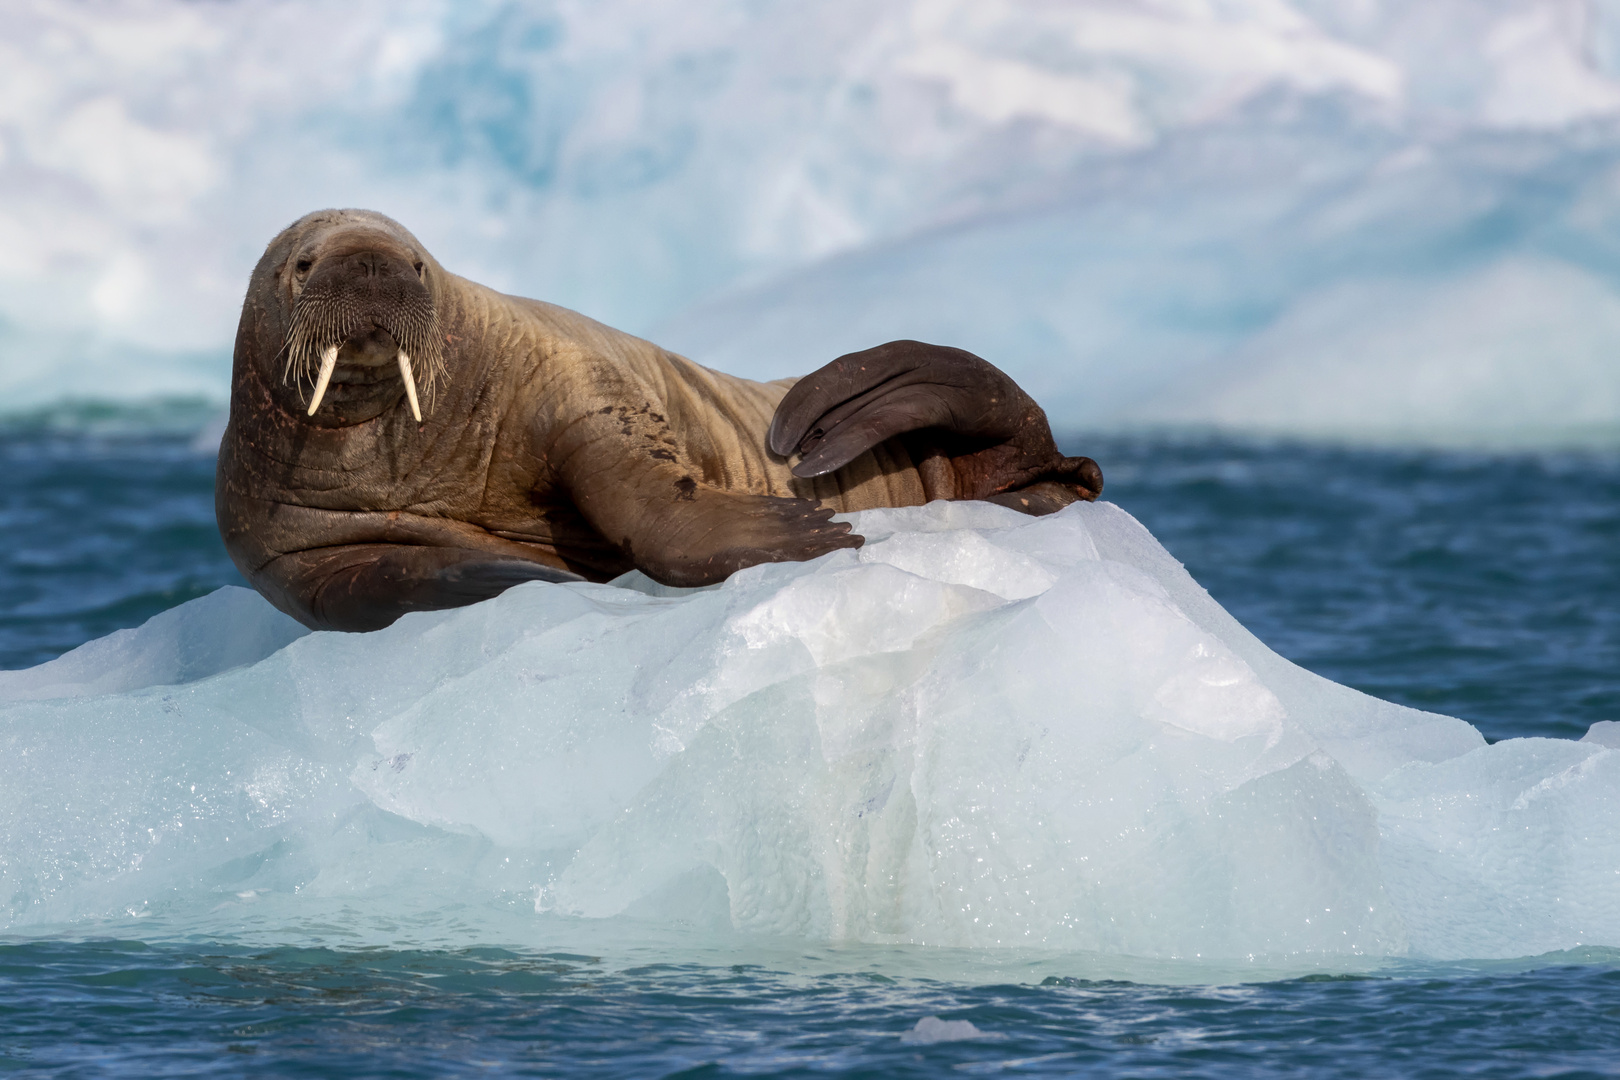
(328, 365)
(410, 384)
(318, 328)
(323, 319)
(416, 330)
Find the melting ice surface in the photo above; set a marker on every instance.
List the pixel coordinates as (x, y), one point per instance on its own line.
(980, 730)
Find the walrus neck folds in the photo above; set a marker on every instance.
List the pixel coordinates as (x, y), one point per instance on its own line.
(370, 309)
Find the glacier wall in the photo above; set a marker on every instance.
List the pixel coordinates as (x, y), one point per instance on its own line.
(979, 730)
(1356, 218)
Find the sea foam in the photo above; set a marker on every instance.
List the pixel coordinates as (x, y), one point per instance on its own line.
(981, 729)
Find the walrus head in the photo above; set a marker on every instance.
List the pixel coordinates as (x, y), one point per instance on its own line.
(356, 298)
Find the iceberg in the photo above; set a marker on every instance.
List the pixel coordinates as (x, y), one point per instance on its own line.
(1355, 288)
(1329, 218)
(980, 730)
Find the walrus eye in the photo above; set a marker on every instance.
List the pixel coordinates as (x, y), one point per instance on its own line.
(303, 266)
(418, 269)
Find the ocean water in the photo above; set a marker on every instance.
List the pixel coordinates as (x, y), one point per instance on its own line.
(118, 514)
(125, 1008)
(1476, 585)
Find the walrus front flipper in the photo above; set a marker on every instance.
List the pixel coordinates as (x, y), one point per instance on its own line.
(368, 586)
(722, 531)
(998, 438)
(706, 534)
(666, 509)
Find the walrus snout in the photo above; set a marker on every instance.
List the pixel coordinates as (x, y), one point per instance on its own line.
(366, 297)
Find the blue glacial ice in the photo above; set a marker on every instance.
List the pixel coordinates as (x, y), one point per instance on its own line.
(1352, 218)
(979, 730)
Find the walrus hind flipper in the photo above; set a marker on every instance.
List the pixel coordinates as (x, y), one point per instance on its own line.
(1038, 499)
(998, 439)
(367, 586)
(838, 412)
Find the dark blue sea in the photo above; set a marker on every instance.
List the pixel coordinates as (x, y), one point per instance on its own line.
(1481, 585)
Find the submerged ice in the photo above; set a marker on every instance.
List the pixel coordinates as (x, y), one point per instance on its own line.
(981, 729)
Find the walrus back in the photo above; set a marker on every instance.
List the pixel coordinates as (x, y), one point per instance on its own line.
(721, 422)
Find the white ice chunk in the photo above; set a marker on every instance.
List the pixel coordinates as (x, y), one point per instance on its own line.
(228, 628)
(982, 729)
(1604, 733)
(931, 1029)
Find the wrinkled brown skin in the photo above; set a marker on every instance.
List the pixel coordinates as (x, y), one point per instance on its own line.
(559, 449)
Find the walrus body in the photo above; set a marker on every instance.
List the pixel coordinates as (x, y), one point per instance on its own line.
(554, 448)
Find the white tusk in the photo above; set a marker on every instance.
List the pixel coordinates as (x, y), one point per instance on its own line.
(328, 364)
(410, 384)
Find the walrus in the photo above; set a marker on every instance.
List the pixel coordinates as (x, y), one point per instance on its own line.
(403, 439)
